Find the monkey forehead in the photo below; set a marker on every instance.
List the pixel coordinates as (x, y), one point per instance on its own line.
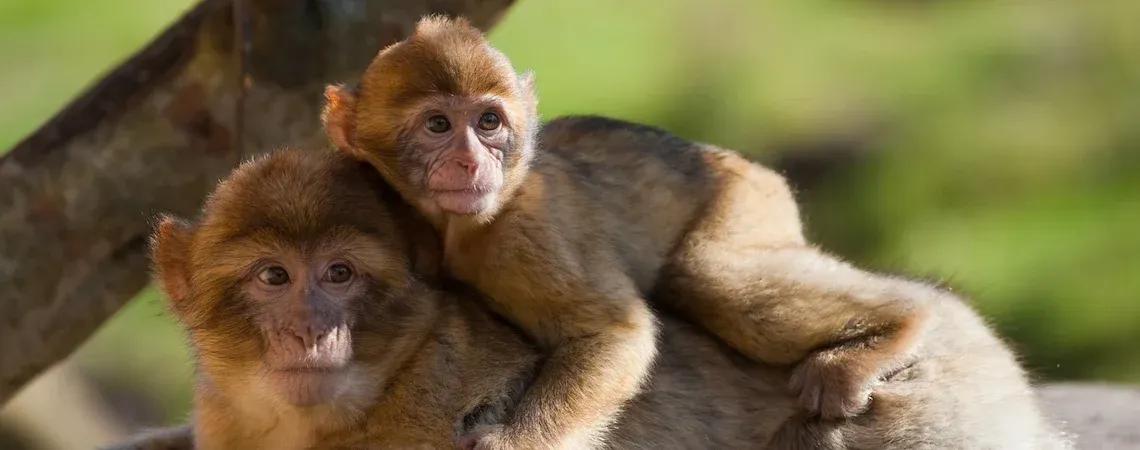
(298, 197)
(272, 239)
(434, 104)
(299, 191)
(443, 56)
(295, 228)
(236, 256)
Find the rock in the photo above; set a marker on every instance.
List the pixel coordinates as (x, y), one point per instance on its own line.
(1100, 416)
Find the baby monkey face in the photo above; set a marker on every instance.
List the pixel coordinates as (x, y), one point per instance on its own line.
(460, 143)
(443, 116)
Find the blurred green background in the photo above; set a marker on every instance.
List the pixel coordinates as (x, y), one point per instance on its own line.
(991, 145)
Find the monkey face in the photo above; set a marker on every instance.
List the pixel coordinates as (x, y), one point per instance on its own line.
(292, 269)
(301, 305)
(455, 152)
(287, 316)
(443, 117)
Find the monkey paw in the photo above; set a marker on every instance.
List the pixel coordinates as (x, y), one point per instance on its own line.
(830, 386)
(487, 437)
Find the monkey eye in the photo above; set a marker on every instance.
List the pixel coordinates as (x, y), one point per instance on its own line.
(489, 121)
(438, 124)
(338, 273)
(273, 276)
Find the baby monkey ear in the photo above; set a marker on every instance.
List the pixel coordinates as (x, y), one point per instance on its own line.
(337, 116)
(170, 254)
(529, 92)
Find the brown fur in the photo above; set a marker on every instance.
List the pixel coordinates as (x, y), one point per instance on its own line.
(438, 363)
(581, 233)
(701, 395)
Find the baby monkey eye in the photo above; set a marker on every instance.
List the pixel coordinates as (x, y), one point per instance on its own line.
(489, 121)
(438, 124)
(273, 276)
(338, 273)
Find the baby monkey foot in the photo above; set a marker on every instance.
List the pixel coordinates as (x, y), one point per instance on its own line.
(833, 386)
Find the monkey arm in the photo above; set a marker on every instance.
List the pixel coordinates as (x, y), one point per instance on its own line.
(583, 311)
(583, 383)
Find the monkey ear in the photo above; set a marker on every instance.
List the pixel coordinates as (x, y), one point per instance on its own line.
(526, 84)
(170, 254)
(529, 92)
(340, 107)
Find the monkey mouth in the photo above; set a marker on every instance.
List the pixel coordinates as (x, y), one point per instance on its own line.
(463, 201)
(308, 386)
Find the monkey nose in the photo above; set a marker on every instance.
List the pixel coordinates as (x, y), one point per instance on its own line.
(468, 166)
(308, 336)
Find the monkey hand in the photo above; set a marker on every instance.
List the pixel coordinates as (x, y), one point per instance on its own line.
(832, 385)
(487, 437)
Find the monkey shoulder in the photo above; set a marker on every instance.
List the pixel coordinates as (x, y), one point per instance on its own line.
(619, 155)
(641, 173)
(570, 127)
(591, 143)
(596, 169)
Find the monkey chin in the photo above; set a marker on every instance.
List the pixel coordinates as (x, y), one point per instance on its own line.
(465, 202)
(304, 387)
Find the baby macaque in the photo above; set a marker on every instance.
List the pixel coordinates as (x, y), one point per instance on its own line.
(567, 241)
(312, 329)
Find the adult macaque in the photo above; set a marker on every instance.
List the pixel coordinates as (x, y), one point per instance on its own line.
(566, 241)
(311, 329)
